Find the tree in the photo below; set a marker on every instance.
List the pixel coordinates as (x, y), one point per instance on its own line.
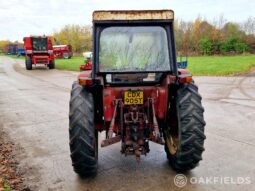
(206, 46)
(203, 30)
(241, 47)
(219, 22)
(228, 46)
(183, 37)
(197, 37)
(232, 30)
(3, 44)
(249, 26)
(78, 36)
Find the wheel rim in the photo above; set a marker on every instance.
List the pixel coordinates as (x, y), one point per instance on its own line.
(172, 142)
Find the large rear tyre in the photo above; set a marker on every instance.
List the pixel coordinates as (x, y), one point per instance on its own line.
(28, 63)
(185, 132)
(83, 135)
(51, 64)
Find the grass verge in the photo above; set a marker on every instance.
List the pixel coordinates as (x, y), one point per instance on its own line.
(72, 64)
(221, 65)
(199, 66)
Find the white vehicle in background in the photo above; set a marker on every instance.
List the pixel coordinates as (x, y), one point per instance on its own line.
(87, 55)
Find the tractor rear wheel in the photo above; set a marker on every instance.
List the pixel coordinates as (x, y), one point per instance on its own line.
(184, 134)
(51, 64)
(82, 133)
(28, 63)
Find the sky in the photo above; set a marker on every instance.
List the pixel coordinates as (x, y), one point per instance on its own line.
(19, 18)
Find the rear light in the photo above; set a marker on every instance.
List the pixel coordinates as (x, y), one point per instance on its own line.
(185, 79)
(184, 76)
(85, 81)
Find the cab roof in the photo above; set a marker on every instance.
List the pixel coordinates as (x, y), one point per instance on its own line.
(133, 15)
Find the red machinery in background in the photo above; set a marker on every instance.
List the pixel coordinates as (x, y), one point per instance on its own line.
(87, 61)
(63, 51)
(39, 50)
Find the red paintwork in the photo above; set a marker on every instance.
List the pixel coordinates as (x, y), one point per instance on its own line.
(60, 50)
(38, 57)
(137, 123)
(87, 66)
(27, 43)
(159, 94)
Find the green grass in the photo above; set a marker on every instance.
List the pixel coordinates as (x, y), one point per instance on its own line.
(72, 64)
(221, 65)
(203, 65)
(12, 56)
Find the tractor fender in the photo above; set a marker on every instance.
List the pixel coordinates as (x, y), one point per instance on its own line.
(85, 74)
(162, 103)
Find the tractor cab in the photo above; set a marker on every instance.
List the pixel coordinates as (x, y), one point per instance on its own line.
(39, 44)
(137, 44)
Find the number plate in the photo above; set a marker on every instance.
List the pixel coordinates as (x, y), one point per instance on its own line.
(133, 97)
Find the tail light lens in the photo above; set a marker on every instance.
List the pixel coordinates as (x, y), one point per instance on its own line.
(85, 81)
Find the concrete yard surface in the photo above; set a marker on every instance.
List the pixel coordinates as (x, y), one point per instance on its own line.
(34, 112)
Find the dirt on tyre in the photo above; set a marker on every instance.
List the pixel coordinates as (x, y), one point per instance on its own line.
(184, 134)
(28, 63)
(82, 133)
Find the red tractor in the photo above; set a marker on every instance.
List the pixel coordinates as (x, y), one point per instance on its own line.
(63, 51)
(135, 93)
(39, 50)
